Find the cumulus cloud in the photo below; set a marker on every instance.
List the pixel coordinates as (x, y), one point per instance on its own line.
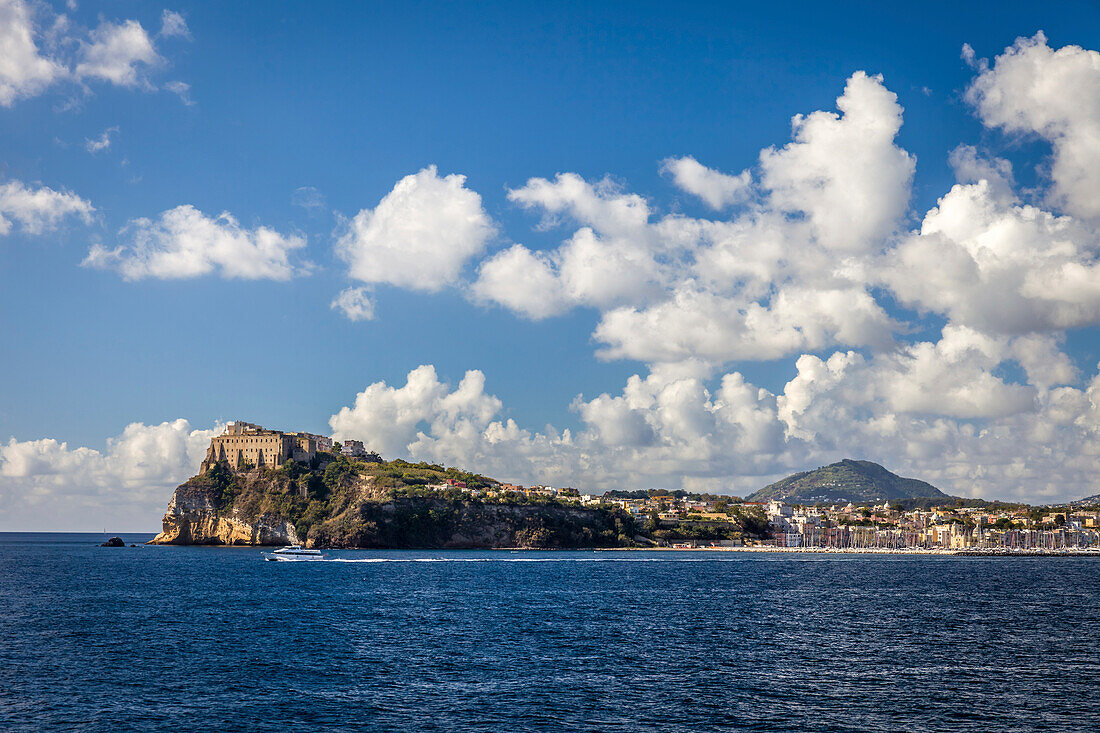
(390, 419)
(972, 167)
(419, 236)
(997, 265)
(679, 432)
(124, 487)
(40, 209)
(1032, 88)
(117, 53)
(39, 49)
(24, 70)
(844, 172)
(183, 242)
(611, 260)
(702, 326)
(524, 281)
(355, 303)
(718, 190)
(792, 272)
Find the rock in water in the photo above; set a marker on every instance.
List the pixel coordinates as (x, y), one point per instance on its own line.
(114, 542)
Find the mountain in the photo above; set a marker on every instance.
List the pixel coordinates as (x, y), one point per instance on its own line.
(848, 480)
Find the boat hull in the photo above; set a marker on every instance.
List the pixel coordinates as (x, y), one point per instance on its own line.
(272, 557)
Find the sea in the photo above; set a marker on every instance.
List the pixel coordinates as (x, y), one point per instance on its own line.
(154, 638)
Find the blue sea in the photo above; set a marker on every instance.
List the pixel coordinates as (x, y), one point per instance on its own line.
(194, 638)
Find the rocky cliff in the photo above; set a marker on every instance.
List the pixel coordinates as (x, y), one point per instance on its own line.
(194, 519)
(341, 503)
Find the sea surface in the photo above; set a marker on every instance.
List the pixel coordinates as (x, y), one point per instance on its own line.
(194, 638)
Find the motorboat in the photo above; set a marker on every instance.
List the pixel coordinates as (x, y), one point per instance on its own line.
(293, 553)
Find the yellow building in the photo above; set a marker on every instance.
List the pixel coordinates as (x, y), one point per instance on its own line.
(245, 443)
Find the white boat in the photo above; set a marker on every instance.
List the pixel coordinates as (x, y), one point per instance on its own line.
(294, 553)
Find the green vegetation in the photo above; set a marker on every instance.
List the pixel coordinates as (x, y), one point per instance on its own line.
(220, 484)
(855, 481)
(338, 501)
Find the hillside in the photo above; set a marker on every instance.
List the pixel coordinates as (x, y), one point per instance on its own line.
(1093, 500)
(848, 480)
(337, 502)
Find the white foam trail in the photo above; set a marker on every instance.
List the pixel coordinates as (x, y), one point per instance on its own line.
(517, 559)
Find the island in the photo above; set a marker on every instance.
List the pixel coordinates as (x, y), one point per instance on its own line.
(267, 487)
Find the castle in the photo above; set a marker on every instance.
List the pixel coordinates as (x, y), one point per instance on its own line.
(245, 443)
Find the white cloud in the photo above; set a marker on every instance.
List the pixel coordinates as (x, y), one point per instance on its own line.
(100, 143)
(699, 325)
(971, 167)
(611, 260)
(998, 266)
(718, 190)
(182, 90)
(602, 206)
(419, 236)
(953, 378)
(990, 438)
(389, 419)
(125, 487)
(117, 53)
(39, 48)
(355, 303)
(844, 172)
(1045, 364)
(792, 272)
(523, 281)
(183, 242)
(1046, 452)
(24, 71)
(172, 24)
(39, 209)
(1032, 88)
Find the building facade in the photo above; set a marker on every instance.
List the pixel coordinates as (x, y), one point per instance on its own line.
(356, 449)
(245, 443)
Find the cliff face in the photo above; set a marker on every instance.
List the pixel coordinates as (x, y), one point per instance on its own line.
(425, 522)
(193, 519)
(345, 505)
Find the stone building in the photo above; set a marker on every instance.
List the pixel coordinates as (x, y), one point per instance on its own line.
(356, 449)
(244, 442)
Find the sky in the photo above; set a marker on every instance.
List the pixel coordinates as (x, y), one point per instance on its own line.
(614, 245)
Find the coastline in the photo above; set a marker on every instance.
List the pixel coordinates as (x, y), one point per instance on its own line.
(968, 552)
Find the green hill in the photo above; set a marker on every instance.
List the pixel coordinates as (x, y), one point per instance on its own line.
(1093, 500)
(848, 480)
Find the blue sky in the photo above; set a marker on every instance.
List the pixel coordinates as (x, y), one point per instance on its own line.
(289, 102)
